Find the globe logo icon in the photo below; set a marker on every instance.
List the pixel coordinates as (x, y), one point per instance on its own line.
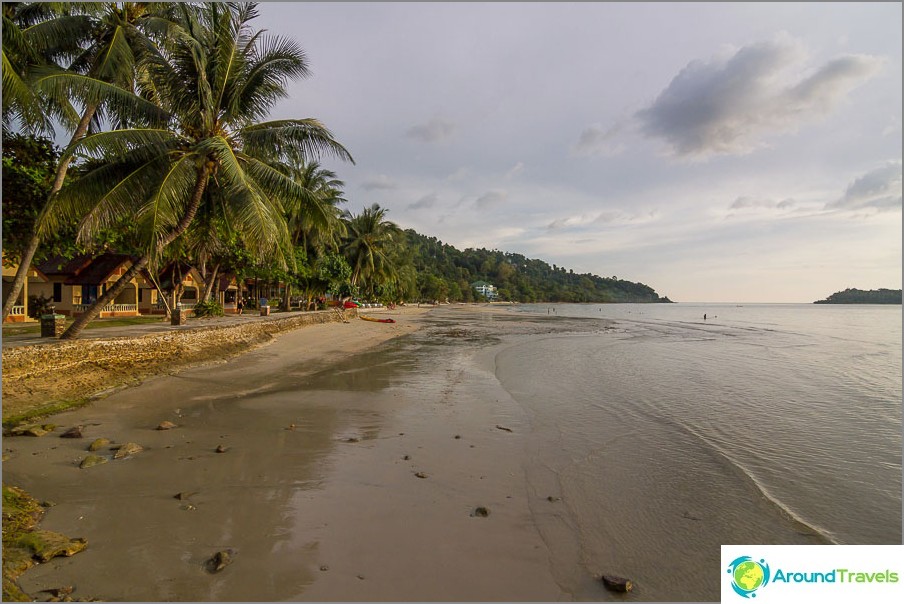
(748, 575)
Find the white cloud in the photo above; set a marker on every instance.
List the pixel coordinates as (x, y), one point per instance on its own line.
(514, 171)
(728, 106)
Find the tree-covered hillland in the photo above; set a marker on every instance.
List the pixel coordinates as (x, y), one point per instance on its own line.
(859, 296)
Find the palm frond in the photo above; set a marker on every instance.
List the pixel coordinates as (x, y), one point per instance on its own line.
(305, 138)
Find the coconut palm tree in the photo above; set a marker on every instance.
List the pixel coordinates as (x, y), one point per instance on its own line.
(103, 47)
(219, 77)
(368, 243)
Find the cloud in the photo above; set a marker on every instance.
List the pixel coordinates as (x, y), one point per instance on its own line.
(490, 199)
(379, 182)
(727, 105)
(425, 202)
(605, 217)
(596, 141)
(746, 202)
(514, 171)
(878, 189)
(434, 131)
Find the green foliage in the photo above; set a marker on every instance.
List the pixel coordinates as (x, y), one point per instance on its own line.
(29, 167)
(207, 309)
(859, 296)
(444, 271)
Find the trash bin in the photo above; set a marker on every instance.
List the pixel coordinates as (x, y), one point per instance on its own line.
(178, 316)
(52, 325)
(265, 311)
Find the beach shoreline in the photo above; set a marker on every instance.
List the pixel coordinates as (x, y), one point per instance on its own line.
(312, 463)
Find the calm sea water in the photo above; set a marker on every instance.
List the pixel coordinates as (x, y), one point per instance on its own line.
(666, 435)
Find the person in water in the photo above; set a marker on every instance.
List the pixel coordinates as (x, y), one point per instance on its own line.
(704, 316)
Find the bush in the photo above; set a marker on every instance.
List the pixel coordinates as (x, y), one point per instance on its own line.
(208, 308)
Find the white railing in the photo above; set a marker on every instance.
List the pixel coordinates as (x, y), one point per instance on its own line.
(17, 310)
(81, 308)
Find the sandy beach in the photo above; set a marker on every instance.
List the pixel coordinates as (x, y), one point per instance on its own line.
(339, 462)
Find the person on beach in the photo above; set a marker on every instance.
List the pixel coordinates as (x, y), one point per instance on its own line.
(240, 305)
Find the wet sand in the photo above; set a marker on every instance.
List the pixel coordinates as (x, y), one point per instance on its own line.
(351, 469)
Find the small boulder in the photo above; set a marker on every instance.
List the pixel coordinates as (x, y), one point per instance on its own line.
(127, 450)
(165, 425)
(221, 449)
(74, 432)
(220, 560)
(480, 512)
(92, 460)
(30, 430)
(99, 443)
(619, 584)
(420, 475)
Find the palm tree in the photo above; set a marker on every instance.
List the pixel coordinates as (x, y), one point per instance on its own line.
(218, 79)
(105, 46)
(368, 243)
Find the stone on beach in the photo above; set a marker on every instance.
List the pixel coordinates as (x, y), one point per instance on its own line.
(74, 432)
(30, 430)
(127, 450)
(93, 460)
(619, 584)
(165, 425)
(480, 512)
(98, 443)
(220, 560)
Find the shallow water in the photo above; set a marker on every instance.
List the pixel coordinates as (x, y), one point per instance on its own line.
(669, 435)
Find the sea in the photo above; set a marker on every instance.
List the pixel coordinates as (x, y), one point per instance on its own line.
(665, 434)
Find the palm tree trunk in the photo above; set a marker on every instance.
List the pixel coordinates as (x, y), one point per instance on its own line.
(91, 313)
(208, 286)
(28, 255)
(287, 303)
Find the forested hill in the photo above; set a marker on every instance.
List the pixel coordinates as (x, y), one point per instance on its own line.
(446, 272)
(859, 296)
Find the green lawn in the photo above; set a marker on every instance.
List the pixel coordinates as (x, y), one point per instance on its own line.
(15, 329)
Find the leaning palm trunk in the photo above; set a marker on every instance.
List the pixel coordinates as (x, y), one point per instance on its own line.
(28, 255)
(79, 324)
(210, 283)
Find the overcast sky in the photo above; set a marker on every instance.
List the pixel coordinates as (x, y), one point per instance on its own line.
(715, 152)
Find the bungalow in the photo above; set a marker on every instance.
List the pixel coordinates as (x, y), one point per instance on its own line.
(486, 290)
(19, 312)
(74, 284)
(227, 289)
(186, 291)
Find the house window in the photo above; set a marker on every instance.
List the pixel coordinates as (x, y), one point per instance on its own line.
(89, 294)
(57, 292)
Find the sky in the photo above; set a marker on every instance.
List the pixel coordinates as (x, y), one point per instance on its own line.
(717, 152)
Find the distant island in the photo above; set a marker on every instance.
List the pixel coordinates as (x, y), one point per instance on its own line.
(859, 296)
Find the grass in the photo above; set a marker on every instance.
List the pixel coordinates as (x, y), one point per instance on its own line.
(15, 329)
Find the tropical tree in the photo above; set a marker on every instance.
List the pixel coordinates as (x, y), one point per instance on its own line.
(103, 47)
(368, 245)
(216, 78)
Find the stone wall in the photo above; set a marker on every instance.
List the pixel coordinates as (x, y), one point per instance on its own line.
(38, 378)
